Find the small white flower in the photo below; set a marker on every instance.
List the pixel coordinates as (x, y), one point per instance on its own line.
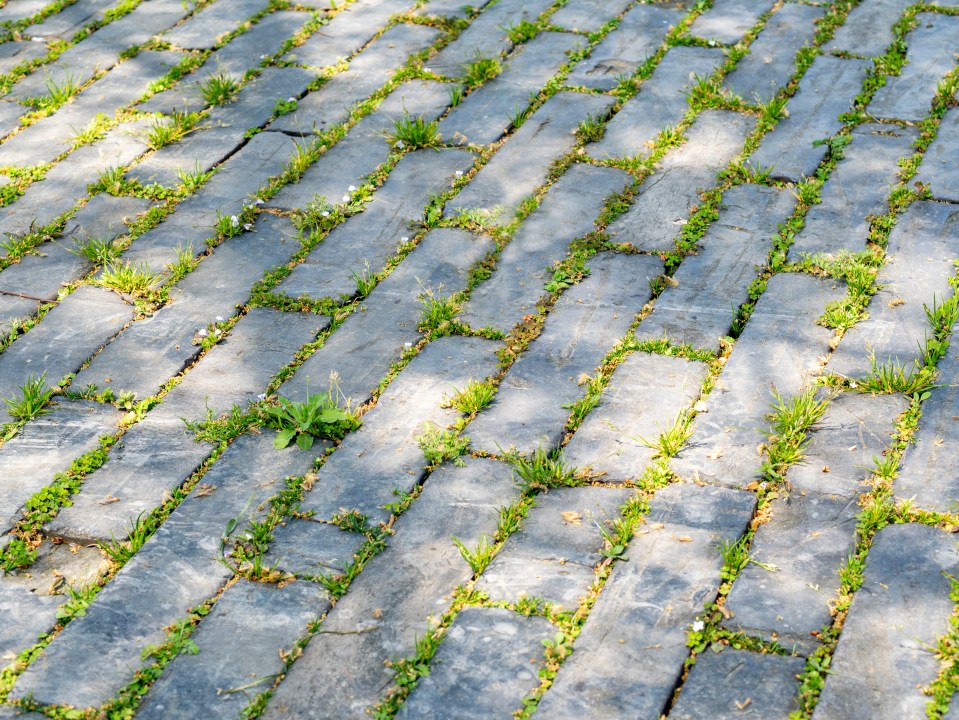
(234, 221)
(346, 198)
(459, 173)
(261, 397)
(202, 332)
(404, 239)
(219, 318)
(292, 99)
(325, 213)
(248, 226)
(258, 202)
(217, 332)
(408, 345)
(37, 39)
(351, 188)
(399, 144)
(264, 57)
(426, 69)
(853, 385)
(699, 626)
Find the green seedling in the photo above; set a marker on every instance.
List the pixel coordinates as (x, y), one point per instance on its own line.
(473, 398)
(284, 107)
(671, 440)
(318, 416)
(168, 130)
(735, 557)
(541, 471)
(591, 129)
(98, 251)
(191, 180)
(34, 396)
(135, 280)
(439, 445)
(60, 92)
(479, 558)
(218, 89)
(365, 280)
(480, 69)
(521, 32)
(414, 132)
(438, 312)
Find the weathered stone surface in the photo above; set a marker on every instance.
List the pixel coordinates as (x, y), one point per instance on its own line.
(856, 191)
(645, 396)
(200, 31)
(175, 570)
(801, 548)
(739, 684)
(629, 656)
(660, 103)
(771, 61)
(779, 351)
(320, 110)
(46, 446)
(921, 254)
(483, 668)
(937, 169)
(68, 335)
(241, 641)
(855, 429)
(154, 349)
(908, 96)
(486, 36)
(531, 406)
(521, 164)
(348, 31)
(361, 351)
(825, 91)
(554, 554)
(13, 53)
(411, 579)
(20, 9)
(357, 155)
(928, 473)
(310, 549)
(728, 20)
(629, 45)
(883, 658)
(667, 197)
(364, 242)
(266, 38)
(383, 458)
(15, 309)
(70, 19)
(450, 8)
(588, 15)
(486, 114)
(567, 212)
(868, 28)
(714, 283)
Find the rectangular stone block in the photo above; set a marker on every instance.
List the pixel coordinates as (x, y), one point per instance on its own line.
(361, 351)
(310, 549)
(27, 615)
(645, 396)
(908, 96)
(241, 643)
(922, 251)
(636, 39)
(488, 662)
(522, 163)
(710, 286)
(449, 8)
(46, 446)
(266, 38)
(321, 109)
(353, 158)
(723, 447)
(771, 61)
(176, 569)
(588, 15)
(856, 191)
(201, 30)
(66, 23)
(825, 92)
(409, 582)
(346, 32)
(568, 211)
(383, 459)
(660, 103)
(883, 658)
(628, 658)
(728, 20)
(553, 556)
(667, 197)
(486, 114)
(532, 404)
(937, 169)
(868, 28)
(364, 242)
(154, 349)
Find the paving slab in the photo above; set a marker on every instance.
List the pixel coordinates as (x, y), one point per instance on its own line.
(70, 19)
(700, 306)
(630, 654)
(588, 15)
(728, 20)
(630, 44)
(488, 661)
(936, 170)
(921, 254)
(825, 92)
(568, 211)
(522, 163)
(311, 549)
(883, 658)
(450, 8)
(531, 406)
(856, 191)
(202, 29)
(723, 447)
(868, 28)
(645, 396)
(670, 194)
(771, 61)
(660, 103)
(28, 615)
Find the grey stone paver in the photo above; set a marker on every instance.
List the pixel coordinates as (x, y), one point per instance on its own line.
(667, 196)
(567, 212)
(631, 658)
(826, 90)
(857, 190)
(883, 658)
(771, 61)
(660, 103)
(630, 653)
(636, 38)
(922, 251)
(531, 406)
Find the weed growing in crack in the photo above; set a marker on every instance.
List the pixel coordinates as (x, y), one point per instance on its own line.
(98, 251)
(414, 132)
(135, 280)
(480, 69)
(439, 445)
(218, 89)
(671, 440)
(473, 398)
(319, 416)
(478, 558)
(33, 399)
(541, 471)
(164, 131)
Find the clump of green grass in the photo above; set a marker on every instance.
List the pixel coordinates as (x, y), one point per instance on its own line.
(168, 130)
(481, 69)
(135, 280)
(415, 132)
(218, 89)
(319, 416)
(33, 399)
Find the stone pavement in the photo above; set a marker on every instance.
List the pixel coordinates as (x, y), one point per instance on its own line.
(639, 313)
